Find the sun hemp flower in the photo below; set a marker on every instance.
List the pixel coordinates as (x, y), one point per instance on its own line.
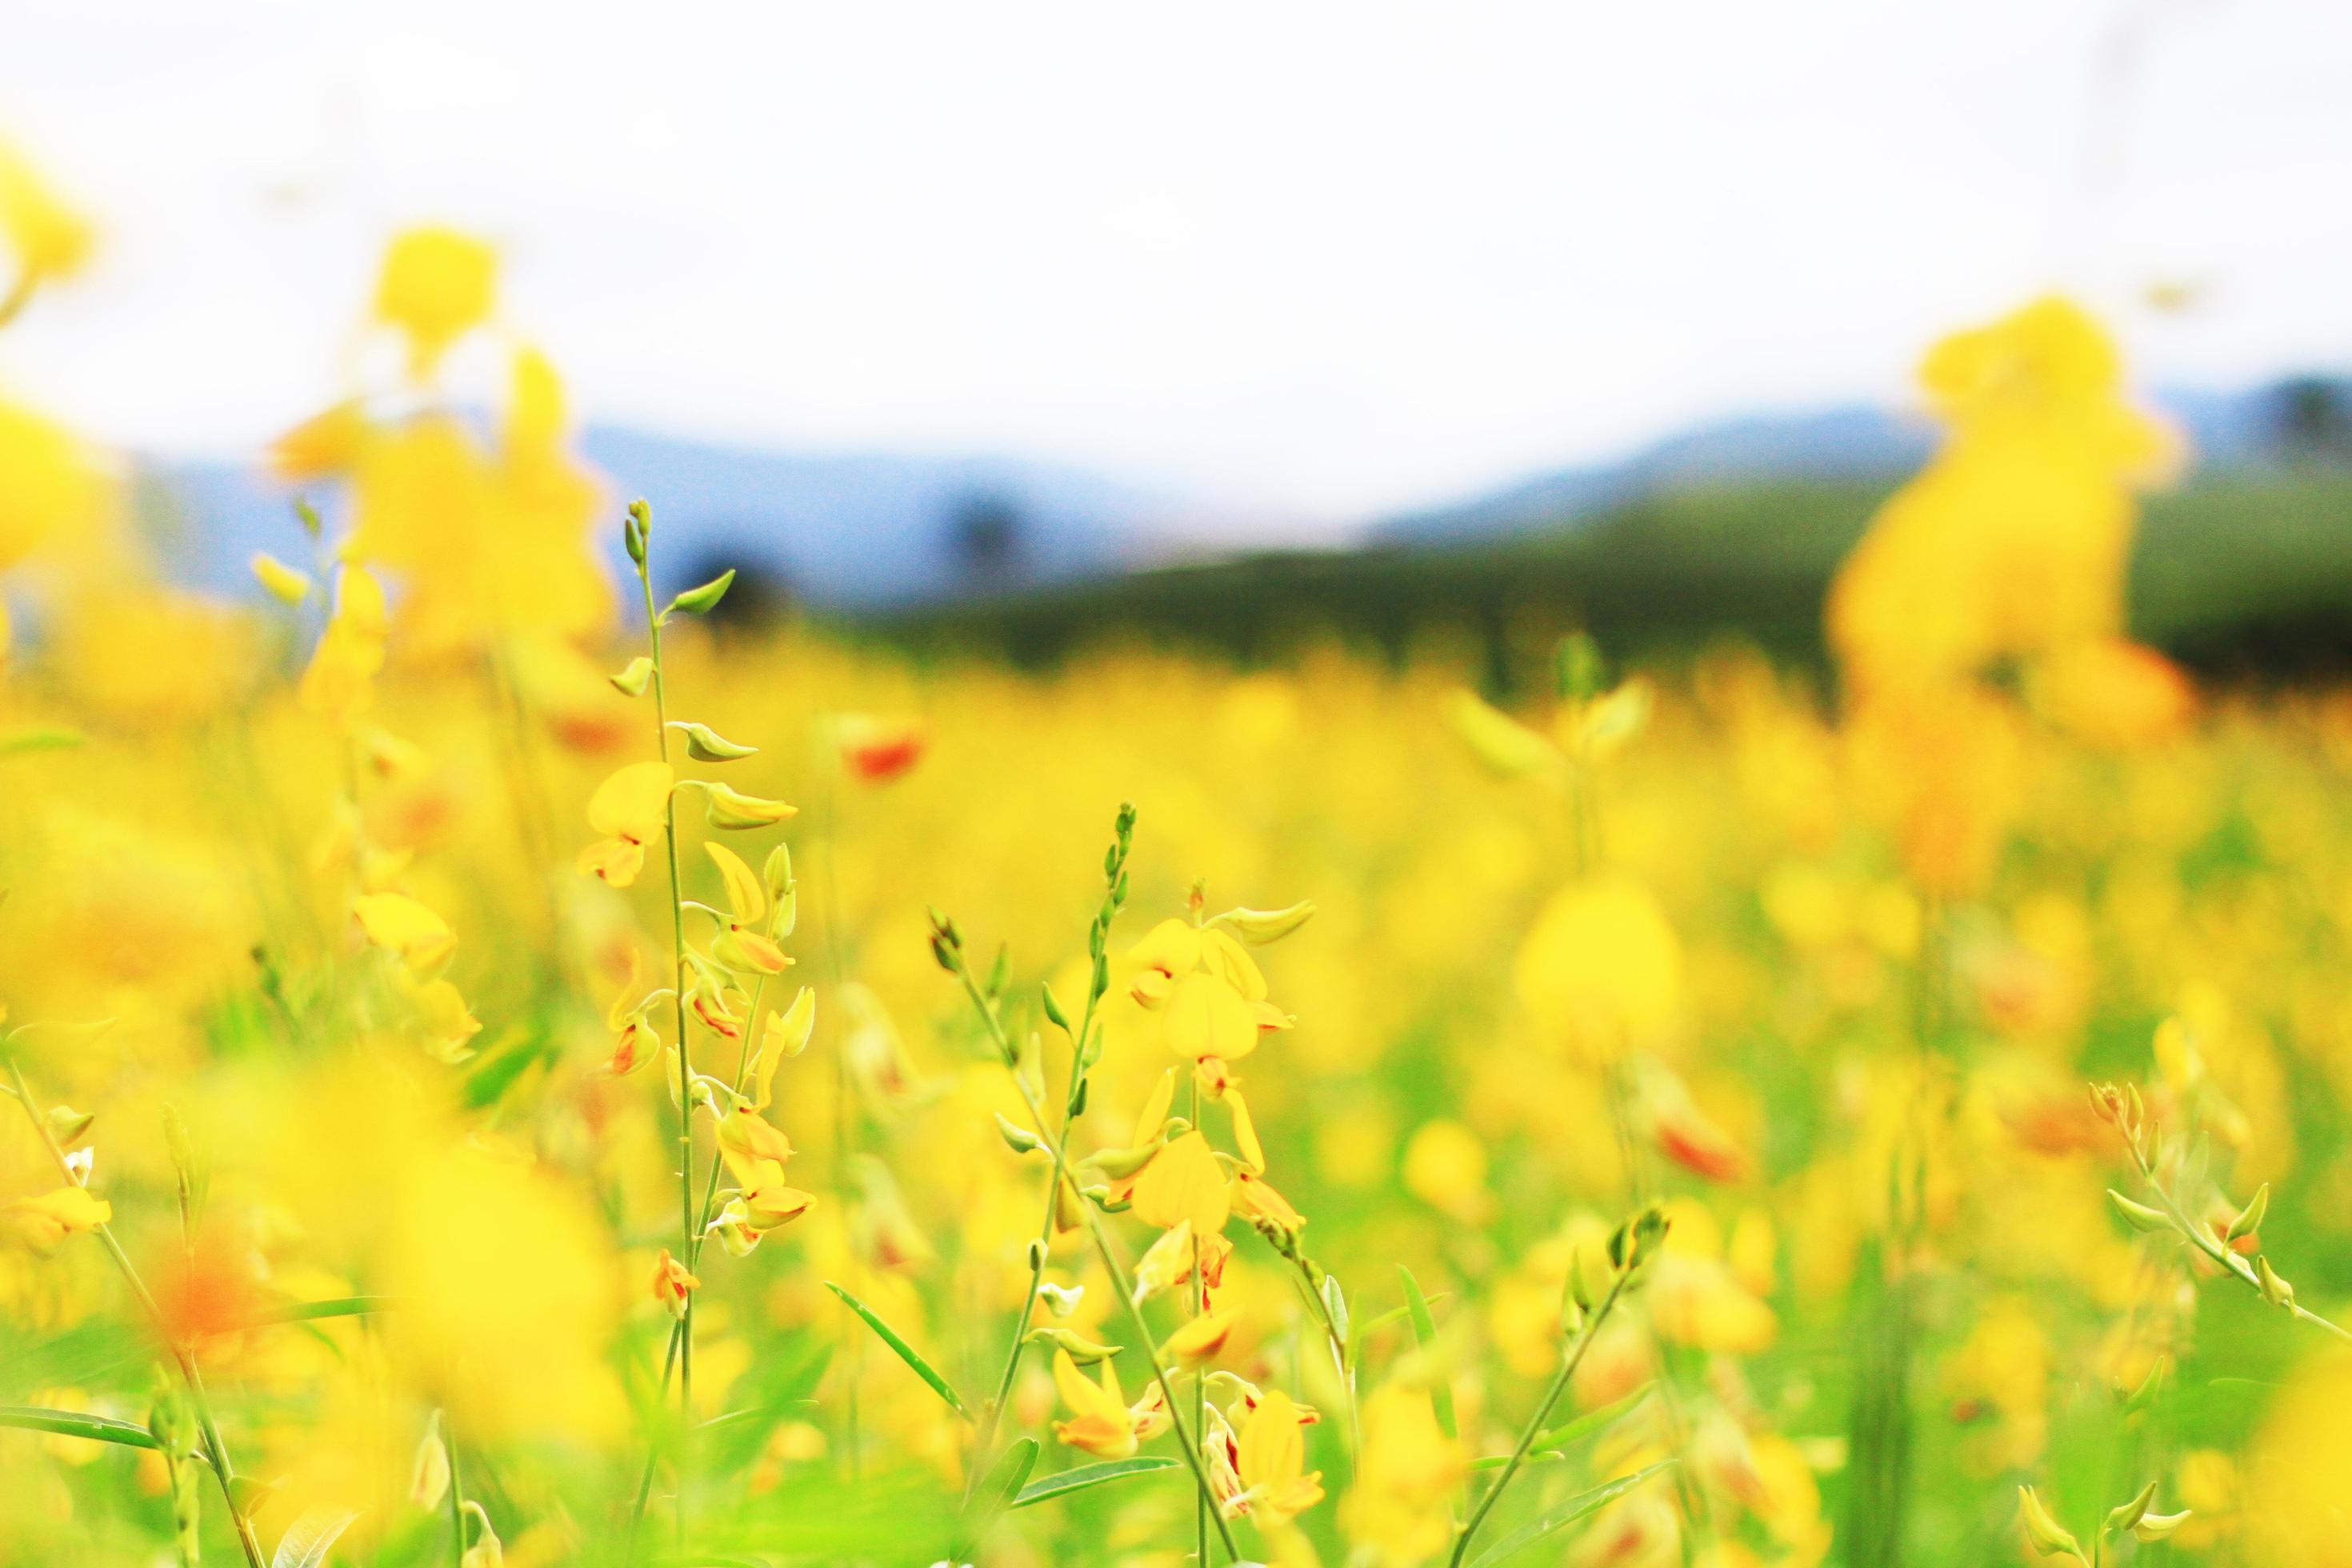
(1270, 1457)
(673, 1285)
(629, 809)
(39, 1225)
(436, 286)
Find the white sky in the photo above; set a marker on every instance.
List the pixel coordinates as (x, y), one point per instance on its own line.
(1325, 259)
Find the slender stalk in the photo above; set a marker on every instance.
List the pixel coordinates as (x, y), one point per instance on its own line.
(1057, 1144)
(1199, 1385)
(2224, 1258)
(685, 1336)
(1539, 1420)
(456, 1496)
(216, 1449)
(993, 1416)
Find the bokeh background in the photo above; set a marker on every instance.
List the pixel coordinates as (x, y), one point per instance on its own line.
(1780, 575)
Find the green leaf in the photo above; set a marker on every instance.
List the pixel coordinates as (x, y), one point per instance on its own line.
(40, 738)
(308, 1538)
(995, 1493)
(74, 1423)
(701, 601)
(1424, 1330)
(1584, 1425)
(1580, 1505)
(333, 1307)
(705, 744)
(782, 1381)
(904, 1352)
(1086, 1476)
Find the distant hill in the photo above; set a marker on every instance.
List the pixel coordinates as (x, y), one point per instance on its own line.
(1860, 443)
(850, 532)
(2246, 572)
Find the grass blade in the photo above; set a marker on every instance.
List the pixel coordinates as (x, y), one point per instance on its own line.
(1086, 1476)
(904, 1351)
(1578, 1507)
(333, 1307)
(75, 1424)
(1424, 1329)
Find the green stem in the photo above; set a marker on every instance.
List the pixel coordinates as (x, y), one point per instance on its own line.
(685, 1061)
(2227, 1260)
(456, 1496)
(1538, 1423)
(1199, 1385)
(216, 1449)
(1120, 1283)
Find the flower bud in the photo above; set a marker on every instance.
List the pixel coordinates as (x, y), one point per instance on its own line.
(634, 676)
(728, 807)
(2274, 1289)
(1259, 927)
(2047, 1535)
(287, 584)
(705, 744)
(2125, 1516)
(2250, 1218)
(1018, 1139)
(1083, 1351)
(2139, 1216)
(703, 599)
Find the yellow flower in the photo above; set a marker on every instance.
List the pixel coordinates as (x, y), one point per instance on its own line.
(401, 925)
(1101, 1421)
(54, 488)
(1201, 1338)
(1206, 991)
(340, 683)
(1445, 1167)
(436, 286)
(1185, 1184)
(323, 446)
(673, 1285)
(742, 947)
(1270, 1457)
(1601, 969)
(630, 808)
(1398, 1505)
(38, 1224)
(50, 239)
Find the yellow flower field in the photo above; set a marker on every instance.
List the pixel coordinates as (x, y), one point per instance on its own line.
(1154, 1111)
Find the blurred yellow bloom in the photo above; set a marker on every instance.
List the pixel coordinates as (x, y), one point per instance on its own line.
(1398, 1507)
(1445, 1167)
(340, 683)
(39, 1225)
(401, 925)
(1601, 969)
(49, 238)
(436, 285)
